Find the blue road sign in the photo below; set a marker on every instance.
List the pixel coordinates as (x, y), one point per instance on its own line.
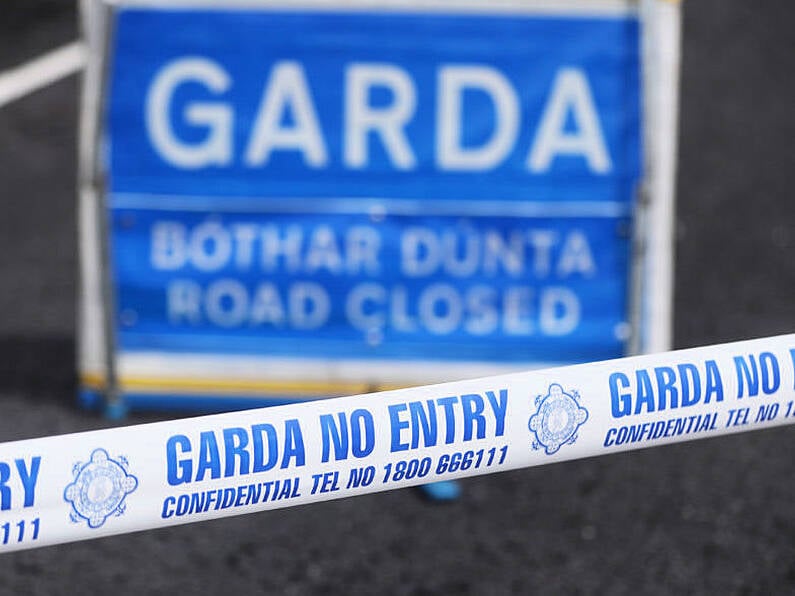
(402, 186)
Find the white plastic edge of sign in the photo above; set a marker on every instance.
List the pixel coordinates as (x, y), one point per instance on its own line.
(661, 64)
(499, 7)
(91, 354)
(113, 481)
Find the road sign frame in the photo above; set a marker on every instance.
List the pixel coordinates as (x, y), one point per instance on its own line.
(127, 379)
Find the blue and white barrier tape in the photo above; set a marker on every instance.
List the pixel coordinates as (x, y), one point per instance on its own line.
(92, 484)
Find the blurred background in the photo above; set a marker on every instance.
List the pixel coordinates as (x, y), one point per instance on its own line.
(713, 516)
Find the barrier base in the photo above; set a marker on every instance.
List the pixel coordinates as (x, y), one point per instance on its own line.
(444, 491)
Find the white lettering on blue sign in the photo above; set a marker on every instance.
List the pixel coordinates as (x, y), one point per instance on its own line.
(287, 91)
(425, 253)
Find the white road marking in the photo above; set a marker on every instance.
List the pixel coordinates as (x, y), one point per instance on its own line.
(42, 71)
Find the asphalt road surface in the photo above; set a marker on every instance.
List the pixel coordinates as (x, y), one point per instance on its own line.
(710, 517)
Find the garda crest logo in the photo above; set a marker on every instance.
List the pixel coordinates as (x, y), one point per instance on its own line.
(99, 489)
(557, 419)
